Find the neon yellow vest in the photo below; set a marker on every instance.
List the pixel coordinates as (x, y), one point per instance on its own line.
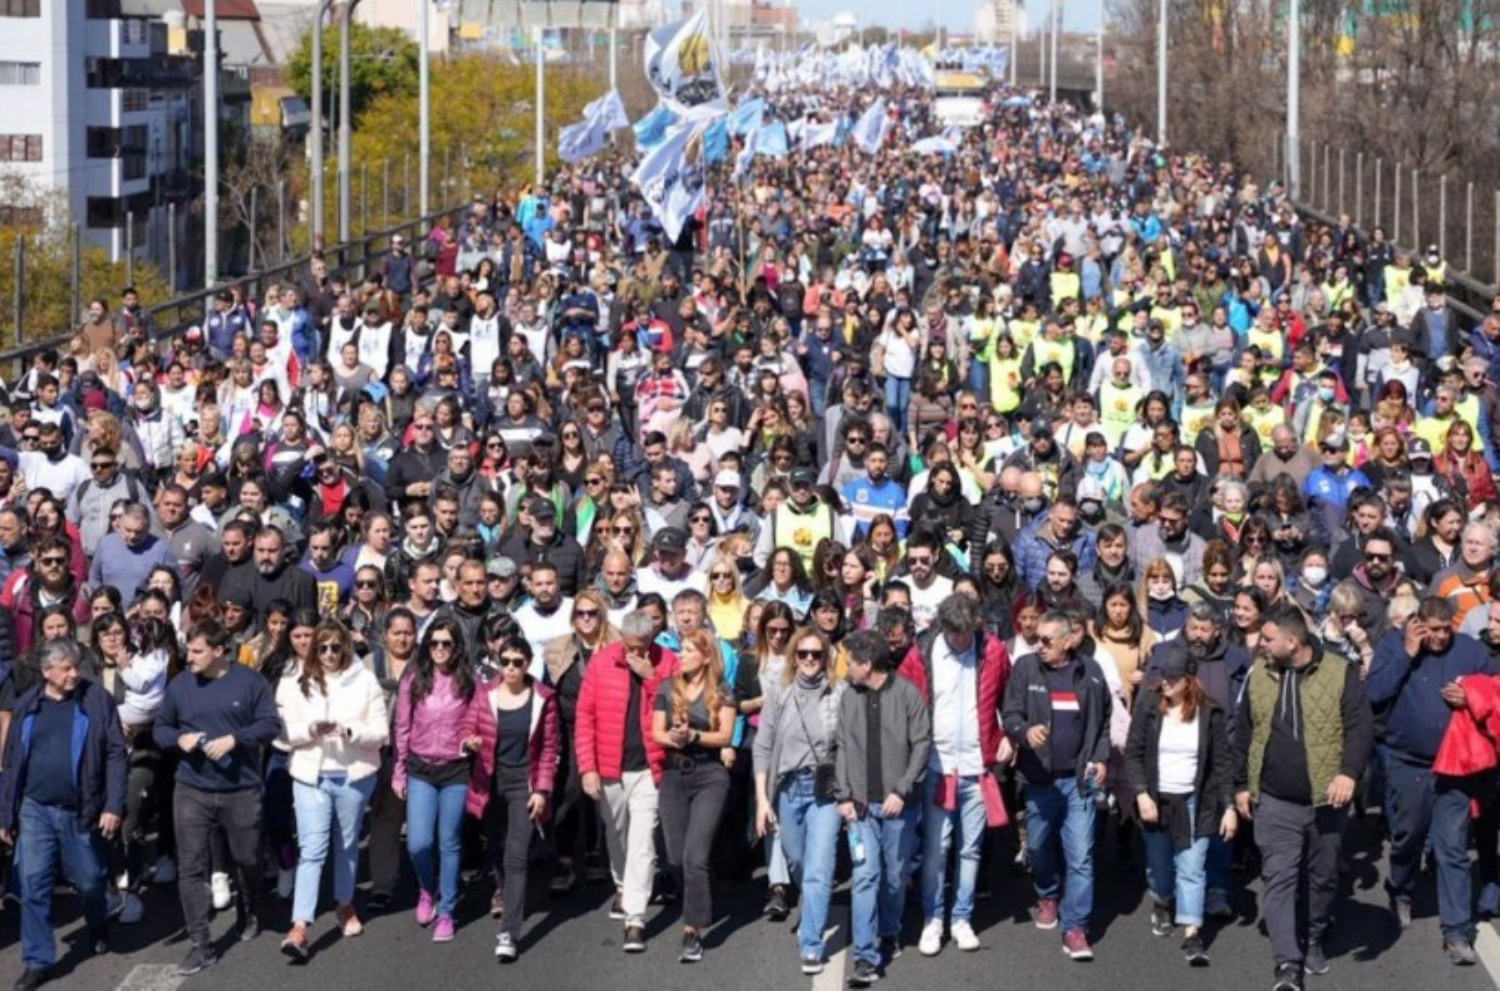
(1005, 384)
(1196, 419)
(1065, 285)
(802, 532)
(1117, 410)
(1046, 351)
(1264, 423)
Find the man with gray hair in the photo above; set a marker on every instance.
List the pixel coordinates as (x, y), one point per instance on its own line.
(61, 799)
(126, 558)
(1057, 709)
(965, 675)
(413, 470)
(616, 750)
(1467, 583)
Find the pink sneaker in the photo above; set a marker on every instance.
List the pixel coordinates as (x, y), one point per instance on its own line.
(443, 931)
(426, 909)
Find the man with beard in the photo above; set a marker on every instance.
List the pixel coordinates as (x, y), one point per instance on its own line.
(1286, 457)
(15, 540)
(88, 507)
(420, 544)
(1302, 739)
(273, 576)
(192, 543)
(1057, 529)
(1058, 469)
(1170, 538)
(47, 582)
(544, 542)
(1221, 669)
(1366, 515)
(548, 615)
(125, 559)
(235, 547)
(876, 494)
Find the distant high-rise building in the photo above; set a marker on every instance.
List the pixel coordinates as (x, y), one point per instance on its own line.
(992, 21)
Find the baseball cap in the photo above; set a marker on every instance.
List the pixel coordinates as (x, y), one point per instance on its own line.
(542, 509)
(1416, 448)
(727, 479)
(670, 538)
(500, 567)
(804, 476)
(1178, 664)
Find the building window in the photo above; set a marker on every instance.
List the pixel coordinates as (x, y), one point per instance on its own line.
(135, 31)
(135, 100)
(102, 10)
(20, 73)
(20, 147)
(20, 8)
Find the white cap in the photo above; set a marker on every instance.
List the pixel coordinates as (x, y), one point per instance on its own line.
(727, 479)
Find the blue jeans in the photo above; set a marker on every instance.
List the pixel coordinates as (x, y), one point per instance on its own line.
(979, 378)
(48, 835)
(319, 806)
(937, 831)
(880, 882)
(809, 839)
(276, 807)
(436, 816)
(897, 399)
(1423, 810)
(1181, 873)
(1059, 816)
(819, 392)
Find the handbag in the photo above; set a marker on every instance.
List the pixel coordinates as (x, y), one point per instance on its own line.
(824, 777)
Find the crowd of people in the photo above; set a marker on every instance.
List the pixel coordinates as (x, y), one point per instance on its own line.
(1058, 489)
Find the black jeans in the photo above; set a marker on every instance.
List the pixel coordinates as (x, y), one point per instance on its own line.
(508, 830)
(198, 814)
(576, 831)
(1298, 842)
(386, 817)
(691, 800)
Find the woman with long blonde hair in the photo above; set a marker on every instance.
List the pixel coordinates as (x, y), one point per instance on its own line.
(693, 720)
(726, 597)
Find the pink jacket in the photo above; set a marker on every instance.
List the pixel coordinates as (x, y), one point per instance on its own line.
(432, 729)
(542, 746)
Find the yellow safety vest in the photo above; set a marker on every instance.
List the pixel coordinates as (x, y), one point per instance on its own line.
(1264, 423)
(802, 532)
(1065, 285)
(1434, 430)
(1005, 384)
(1170, 317)
(1468, 408)
(1270, 343)
(1045, 351)
(1022, 331)
(1117, 410)
(1093, 328)
(1195, 420)
(1396, 281)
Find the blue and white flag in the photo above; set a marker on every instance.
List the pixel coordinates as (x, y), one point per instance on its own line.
(747, 117)
(771, 141)
(933, 146)
(651, 129)
(576, 142)
(608, 111)
(682, 65)
(670, 179)
(814, 134)
(716, 141)
(871, 128)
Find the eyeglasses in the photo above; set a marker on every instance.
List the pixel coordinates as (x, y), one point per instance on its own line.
(699, 519)
(811, 655)
(513, 661)
(586, 613)
(116, 516)
(593, 481)
(326, 649)
(421, 426)
(441, 644)
(778, 631)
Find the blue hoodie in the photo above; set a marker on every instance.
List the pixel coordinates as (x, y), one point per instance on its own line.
(1411, 691)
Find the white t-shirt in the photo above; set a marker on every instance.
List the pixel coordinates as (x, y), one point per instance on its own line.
(1177, 757)
(539, 630)
(924, 602)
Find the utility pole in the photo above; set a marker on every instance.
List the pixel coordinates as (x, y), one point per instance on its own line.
(211, 143)
(1294, 100)
(1056, 30)
(1161, 72)
(1099, 63)
(424, 77)
(541, 99)
(319, 204)
(346, 128)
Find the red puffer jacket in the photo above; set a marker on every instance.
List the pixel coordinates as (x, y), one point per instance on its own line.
(543, 749)
(1473, 734)
(994, 672)
(599, 733)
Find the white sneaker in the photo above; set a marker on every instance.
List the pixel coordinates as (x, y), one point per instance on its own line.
(132, 909)
(286, 883)
(223, 897)
(505, 947)
(932, 938)
(963, 935)
(164, 871)
(123, 881)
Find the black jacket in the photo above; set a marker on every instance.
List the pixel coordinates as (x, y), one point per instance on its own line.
(1214, 784)
(101, 765)
(562, 551)
(1029, 703)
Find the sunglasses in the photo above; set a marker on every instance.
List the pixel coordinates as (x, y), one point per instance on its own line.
(1376, 557)
(811, 655)
(325, 649)
(586, 613)
(699, 519)
(778, 631)
(622, 529)
(722, 575)
(367, 583)
(443, 644)
(1046, 641)
(101, 465)
(593, 481)
(513, 661)
(421, 426)
(54, 561)
(494, 445)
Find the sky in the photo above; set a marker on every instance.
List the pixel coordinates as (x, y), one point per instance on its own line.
(954, 15)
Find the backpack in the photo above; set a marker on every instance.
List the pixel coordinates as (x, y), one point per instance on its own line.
(133, 488)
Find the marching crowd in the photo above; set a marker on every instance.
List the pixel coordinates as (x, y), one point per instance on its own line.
(1063, 492)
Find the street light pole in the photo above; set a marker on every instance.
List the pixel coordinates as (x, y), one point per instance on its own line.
(346, 128)
(1294, 100)
(1015, 38)
(211, 144)
(318, 203)
(1056, 30)
(424, 77)
(1161, 73)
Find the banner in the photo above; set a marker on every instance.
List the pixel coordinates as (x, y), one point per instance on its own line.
(716, 141)
(670, 178)
(771, 141)
(683, 67)
(608, 111)
(576, 142)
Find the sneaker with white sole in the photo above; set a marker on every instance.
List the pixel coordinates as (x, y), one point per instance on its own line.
(132, 909)
(963, 935)
(931, 943)
(505, 948)
(164, 871)
(223, 897)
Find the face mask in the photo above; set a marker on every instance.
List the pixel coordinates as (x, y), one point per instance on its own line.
(1314, 576)
(1234, 518)
(1161, 593)
(1091, 511)
(145, 405)
(1033, 506)
(1325, 394)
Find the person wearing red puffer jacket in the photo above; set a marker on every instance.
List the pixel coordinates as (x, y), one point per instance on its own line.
(514, 730)
(620, 761)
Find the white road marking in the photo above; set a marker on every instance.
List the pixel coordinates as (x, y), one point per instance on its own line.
(1487, 945)
(832, 978)
(152, 977)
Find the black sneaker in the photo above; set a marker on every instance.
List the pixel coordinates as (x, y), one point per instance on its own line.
(379, 902)
(98, 943)
(692, 948)
(1288, 977)
(864, 974)
(635, 940)
(1314, 961)
(812, 965)
(617, 907)
(890, 949)
(30, 980)
(1161, 920)
(776, 907)
(1194, 952)
(199, 959)
(247, 925)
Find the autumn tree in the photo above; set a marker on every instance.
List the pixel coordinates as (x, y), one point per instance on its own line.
(383, 62)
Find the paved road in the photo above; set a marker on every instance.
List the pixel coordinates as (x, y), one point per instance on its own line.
(571, 944)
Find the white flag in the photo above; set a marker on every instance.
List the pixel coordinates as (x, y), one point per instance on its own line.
(670, 179)
(870, 130)
(682, 65)
(608, 111)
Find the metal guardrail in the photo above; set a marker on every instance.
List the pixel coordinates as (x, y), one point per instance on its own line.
(170, 319)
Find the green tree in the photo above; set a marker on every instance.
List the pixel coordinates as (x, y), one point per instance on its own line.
(382, 62)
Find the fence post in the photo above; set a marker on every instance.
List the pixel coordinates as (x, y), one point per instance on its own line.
(364, 199)
(1327, 167)
(447, 174)
(406, 186)
(254, 216)
(1396, 207)
(463, 156)
(281, 221)
(20, 300)
(130, 247)
(77, 236)
(1497, 237)
(1378, 163)
(385, 185)
(1469, 230)
(172, 244)
(1310, 191)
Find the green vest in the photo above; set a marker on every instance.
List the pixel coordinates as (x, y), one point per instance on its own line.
(1117, 410)
(802, 532)
(1045, 351)
(1065, 285)
(1322, 720)
(1005, 384)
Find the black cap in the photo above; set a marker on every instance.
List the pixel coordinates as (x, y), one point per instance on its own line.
(1177, 664)
(542, 509)
(672, 538)
(804, 476)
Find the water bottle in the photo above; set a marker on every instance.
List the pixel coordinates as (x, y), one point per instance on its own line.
(856, 845)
